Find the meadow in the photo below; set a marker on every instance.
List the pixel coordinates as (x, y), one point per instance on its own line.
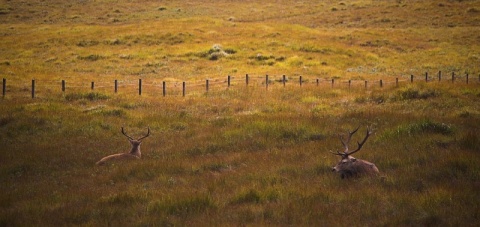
(239, 155)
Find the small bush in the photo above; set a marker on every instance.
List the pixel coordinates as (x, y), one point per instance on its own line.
(251, 196)
(425, 126)
(91, 57)
(91, 96)
(415, 93)
(87, 43)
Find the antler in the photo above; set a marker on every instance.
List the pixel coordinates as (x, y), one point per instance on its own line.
(148, 133)
(360, 144)
(345, 143)
(130, 138)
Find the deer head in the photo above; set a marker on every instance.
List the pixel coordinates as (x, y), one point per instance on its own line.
(350, 166)
(135, 142)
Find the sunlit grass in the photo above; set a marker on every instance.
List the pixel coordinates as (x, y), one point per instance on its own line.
(239, 155)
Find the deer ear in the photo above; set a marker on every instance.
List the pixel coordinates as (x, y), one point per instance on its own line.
(354, 159)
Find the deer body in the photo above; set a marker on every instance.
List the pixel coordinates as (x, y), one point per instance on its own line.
(133, 154)
(350, 166)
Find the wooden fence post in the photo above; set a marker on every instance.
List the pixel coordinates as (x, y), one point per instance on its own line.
(206, 84)
(284, 80)
(33, 88)
(453, 77)
(366, 84)
(266, 81)
(228, 80)
(318, 81)
(467, 77)
(349, 84)
(164, 89)
(246, 79)
(139, 86)
(4, 87)
(333, 82)
(116, 86)
(411, 78)
(439, 75)
(300, 80)
(93, 85)
(183, 89)
(396, 82)
(63, 85)
(426, 77)
(381, 83)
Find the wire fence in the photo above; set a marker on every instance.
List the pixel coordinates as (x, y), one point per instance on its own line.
(183, 88)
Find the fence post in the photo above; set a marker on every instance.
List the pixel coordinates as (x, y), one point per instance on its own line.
(439, 75)
(183, 89)
(411, 78)
(467, 77)
(333, 81)
(396, 82)
(266, 81)
(349, 84)
(453, 77)
(164, 89)
(284, 80)
(93, 85)
(381, 83)
(116, 86)
(426, 77)
(366, 84)
(318, 81)
(139, 86)
(228, 80)
(33, 88)
(206, 84)
(300, 80)
(4, 87)
(63, 85)
(246, 79)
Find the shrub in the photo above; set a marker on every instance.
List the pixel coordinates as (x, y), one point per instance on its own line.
(91, 96)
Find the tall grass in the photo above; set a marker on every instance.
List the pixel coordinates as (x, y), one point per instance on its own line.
(242, 155)
(211, 160)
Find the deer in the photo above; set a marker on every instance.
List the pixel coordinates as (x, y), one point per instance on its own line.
(133, 154)
(350, 166)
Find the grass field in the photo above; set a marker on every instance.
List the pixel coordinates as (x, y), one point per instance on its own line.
(245, 155)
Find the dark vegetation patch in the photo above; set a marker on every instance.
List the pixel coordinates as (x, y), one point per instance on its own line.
(91, 96)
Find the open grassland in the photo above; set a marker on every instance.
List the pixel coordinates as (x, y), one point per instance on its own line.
(245, 155)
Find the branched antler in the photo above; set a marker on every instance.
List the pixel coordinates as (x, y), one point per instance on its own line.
(345, 143)
(360, 144)
(130, 138)
(148, 133)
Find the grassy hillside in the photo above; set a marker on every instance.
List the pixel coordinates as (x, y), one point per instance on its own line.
(245, 155)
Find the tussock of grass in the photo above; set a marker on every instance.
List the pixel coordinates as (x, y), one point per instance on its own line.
(91, 96)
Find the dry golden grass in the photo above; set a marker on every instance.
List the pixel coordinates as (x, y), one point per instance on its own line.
(243, 155)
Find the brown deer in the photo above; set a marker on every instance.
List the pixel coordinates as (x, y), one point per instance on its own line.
(350, 166)
(133, 154)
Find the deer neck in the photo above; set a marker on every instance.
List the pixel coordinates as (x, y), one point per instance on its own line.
(136, 151)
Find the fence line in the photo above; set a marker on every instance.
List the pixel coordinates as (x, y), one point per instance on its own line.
(228, 82)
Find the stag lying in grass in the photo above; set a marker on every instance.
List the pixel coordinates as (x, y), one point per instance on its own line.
(133, 154)
(350, 166)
